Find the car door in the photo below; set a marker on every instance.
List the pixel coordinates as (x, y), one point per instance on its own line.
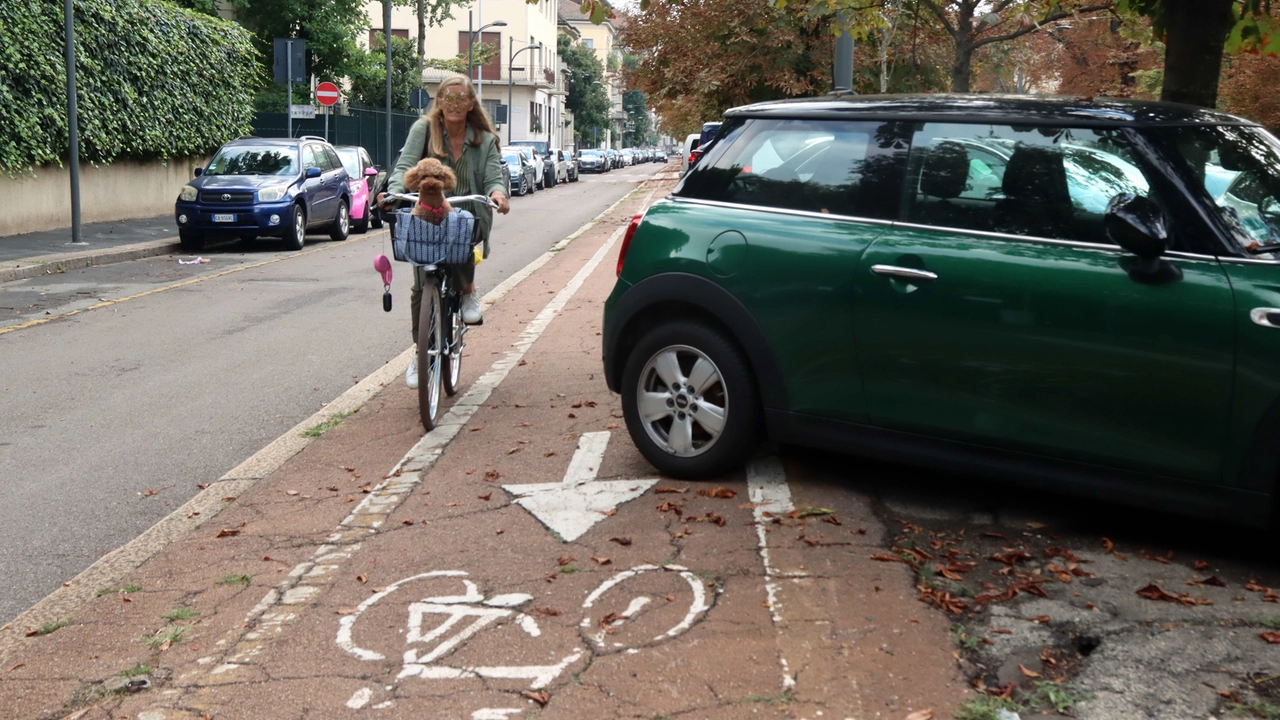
(336, 178)
(787, 209)
(1007, 318)
(318, 194)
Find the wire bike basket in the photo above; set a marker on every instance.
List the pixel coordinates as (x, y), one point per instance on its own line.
(421, 243)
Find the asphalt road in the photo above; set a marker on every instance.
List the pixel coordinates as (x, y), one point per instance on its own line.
(171, 389)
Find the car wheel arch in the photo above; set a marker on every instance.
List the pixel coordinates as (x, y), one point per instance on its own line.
(691, 297)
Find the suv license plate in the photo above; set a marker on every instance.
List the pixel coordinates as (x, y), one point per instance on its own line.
(224, 218)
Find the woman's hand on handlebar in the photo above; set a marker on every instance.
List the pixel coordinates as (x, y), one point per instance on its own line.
(501, 200)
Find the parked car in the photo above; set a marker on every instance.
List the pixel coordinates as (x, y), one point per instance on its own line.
(593, 161)
(614, 162)
(570, 165)
(364, 178)
(531, 156)
(520, 172)
(978, 315)
(705, 139)
(272, 187)
(690, 144)
(555, 170)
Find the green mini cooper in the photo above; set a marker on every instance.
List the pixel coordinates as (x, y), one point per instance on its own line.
(1078, 294)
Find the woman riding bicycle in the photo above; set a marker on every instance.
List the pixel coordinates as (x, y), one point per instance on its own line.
(457, 132)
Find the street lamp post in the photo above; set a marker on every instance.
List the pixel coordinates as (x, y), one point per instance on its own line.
(511, 82)
(471, 41)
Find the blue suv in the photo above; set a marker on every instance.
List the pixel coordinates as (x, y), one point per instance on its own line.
(277, 187)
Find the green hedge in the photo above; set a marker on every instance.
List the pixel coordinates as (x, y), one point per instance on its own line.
(154, 81)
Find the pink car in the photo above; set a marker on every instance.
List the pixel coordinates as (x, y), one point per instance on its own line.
(364, 177)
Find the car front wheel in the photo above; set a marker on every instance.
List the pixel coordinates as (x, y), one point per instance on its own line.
(689, 400)
(295, 233)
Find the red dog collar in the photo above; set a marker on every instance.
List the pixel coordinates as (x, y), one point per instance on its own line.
(435, 210)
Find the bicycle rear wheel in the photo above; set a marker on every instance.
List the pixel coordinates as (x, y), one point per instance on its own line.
(431, 352)
(454, 330)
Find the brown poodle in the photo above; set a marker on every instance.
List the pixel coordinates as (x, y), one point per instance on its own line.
(431, 180)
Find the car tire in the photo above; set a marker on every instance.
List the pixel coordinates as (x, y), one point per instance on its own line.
(361, 226)
(192, 241)
(341, 227)
(707, 449)
(551, 181)
(295, 233)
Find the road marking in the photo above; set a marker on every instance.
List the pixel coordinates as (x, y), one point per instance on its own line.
(495, 713)
(269, 617)
(184, 283)
(769, 492)
(124, 559)
(576, 504)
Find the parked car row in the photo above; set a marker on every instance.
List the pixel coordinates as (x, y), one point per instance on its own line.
(284, 187)
(604, 160)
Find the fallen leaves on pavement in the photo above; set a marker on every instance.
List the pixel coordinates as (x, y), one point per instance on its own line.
(541, 696)
(1028, 673)
(227, 532)
(1214, 580)
(661, 490)
(1155, 592)
(723, 493)
(921, 715)
(942, 599)
(1271, 637)
(621, 540)
(602, 560)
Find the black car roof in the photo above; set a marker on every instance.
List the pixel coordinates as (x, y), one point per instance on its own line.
(1026, 109)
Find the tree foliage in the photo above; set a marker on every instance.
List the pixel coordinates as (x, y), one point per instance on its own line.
(154, 81)
(369, 82)
(586, 98)
(635, 105)
(698, 58)
(330, 27)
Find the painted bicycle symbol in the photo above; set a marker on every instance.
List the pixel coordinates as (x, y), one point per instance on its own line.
(633, 608)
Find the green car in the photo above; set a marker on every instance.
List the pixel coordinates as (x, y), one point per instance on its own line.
(1056, 291)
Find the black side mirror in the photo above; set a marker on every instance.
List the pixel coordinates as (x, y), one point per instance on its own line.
(1137, 225)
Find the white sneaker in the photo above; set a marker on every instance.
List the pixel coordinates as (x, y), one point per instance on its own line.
(471, 313)
(411, 374)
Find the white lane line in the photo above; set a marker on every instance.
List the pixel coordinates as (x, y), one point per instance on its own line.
(769, 492)
(268, 618)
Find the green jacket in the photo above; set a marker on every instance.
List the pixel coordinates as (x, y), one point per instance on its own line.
(479, 171)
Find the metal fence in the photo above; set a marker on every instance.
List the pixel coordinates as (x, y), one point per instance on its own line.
(365, 127)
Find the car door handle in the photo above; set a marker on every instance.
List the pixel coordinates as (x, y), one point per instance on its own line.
(1266, 317)
(902, 272)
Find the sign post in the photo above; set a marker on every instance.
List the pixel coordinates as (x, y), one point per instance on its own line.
(326, 94)
(289, 67)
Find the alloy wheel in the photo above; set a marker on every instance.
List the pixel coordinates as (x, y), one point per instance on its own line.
(682, 401)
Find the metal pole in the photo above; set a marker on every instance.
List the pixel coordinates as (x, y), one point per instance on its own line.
(288, 81)
(386, 28)
(480, 80)
(511, 59)
(326, 123)
(73, 131)
(471, 40)
(843, 76)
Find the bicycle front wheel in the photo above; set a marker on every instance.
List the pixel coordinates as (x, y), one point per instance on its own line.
(431, 352)
(454, 329)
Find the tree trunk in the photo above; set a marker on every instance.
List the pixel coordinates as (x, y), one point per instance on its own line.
(962, 70)
(1196, 33)
(422, 28)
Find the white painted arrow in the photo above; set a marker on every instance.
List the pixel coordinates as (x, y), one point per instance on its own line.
(580, 501)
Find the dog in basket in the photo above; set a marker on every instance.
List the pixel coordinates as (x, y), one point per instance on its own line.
(431, 180)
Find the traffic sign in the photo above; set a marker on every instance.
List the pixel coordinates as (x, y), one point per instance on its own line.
(302, 112)
(326, 93)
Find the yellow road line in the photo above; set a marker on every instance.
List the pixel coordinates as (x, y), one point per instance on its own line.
(184, 283)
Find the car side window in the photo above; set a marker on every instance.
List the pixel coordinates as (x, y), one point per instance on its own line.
(309, 159)
(838, 167)
(331, 159)
(1049, 182)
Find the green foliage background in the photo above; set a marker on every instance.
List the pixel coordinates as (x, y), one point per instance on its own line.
(154, 81)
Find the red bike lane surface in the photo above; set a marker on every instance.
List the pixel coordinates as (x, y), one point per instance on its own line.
(537, 567)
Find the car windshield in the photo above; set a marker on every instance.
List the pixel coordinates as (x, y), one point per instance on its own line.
(1239, 167)
(254, 160)
(350, 158)
(512, 159)
(591, 153)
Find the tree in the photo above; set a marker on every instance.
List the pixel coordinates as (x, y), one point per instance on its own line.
(330, 28)
(428, 13)
(1197, 32)
(698, 58)
(586, 97)
(635, 105)
(369, 84)
(208, 7)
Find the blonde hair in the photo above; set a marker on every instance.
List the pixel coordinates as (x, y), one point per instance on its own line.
(477, 118)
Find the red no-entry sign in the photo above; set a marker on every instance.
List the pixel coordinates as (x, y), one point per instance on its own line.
(326, 93)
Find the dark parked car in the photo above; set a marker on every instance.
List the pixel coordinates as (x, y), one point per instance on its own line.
(1054, 291)
(266, 186)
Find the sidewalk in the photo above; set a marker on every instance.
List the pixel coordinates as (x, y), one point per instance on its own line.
(519, 561)
(31, 254)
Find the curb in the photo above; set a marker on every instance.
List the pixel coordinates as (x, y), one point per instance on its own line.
(206, 504)
(61, 262)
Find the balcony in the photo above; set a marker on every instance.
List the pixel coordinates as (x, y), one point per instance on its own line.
(540, 77)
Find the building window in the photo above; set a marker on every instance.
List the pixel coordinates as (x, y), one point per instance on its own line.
(589, 42)
(490, 108)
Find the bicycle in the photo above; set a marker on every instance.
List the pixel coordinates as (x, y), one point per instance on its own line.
(440, 327)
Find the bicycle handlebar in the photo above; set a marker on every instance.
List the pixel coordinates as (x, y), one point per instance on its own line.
(413, 198)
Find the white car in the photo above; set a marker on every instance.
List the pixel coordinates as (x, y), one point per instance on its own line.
(532, 157)
(690, 143)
